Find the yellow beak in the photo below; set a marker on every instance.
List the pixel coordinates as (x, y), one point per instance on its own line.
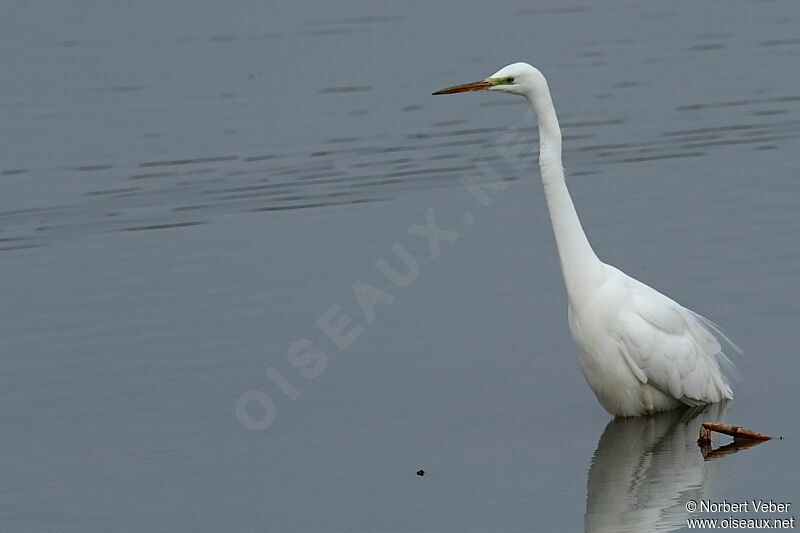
(482, 85)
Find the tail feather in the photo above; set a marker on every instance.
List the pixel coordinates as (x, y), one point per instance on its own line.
(726, 365)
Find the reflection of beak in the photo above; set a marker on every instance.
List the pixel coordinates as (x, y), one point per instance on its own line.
(482, 85)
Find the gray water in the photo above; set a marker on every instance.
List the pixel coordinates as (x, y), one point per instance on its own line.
(188, 188)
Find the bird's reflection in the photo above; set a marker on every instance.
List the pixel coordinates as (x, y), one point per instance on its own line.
(645, 469)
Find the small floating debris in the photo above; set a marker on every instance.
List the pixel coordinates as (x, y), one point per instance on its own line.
(420, 473)
(737, 432)
(742, 439)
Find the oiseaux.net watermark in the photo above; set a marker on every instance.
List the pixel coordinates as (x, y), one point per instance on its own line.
(746, 514)
(340, 330)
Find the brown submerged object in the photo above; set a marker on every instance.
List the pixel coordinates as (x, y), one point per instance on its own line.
(742, 439)
(737, 432)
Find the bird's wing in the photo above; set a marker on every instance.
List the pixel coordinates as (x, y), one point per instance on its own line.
(667, 346)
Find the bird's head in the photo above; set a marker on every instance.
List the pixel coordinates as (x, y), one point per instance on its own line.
(517, 78)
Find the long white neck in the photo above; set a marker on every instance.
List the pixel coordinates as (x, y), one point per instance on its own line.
(579, 264)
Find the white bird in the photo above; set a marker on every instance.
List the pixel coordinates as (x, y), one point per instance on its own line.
(640, 351)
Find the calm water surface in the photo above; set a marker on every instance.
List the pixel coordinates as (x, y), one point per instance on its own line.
(189, 188)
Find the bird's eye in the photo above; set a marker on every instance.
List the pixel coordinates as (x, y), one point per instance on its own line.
(509, 80)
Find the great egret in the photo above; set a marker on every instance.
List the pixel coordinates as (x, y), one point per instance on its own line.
(640, 351)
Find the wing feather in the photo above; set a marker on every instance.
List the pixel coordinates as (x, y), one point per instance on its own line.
(670, 347)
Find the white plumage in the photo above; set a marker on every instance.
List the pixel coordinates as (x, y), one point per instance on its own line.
(640, 351)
